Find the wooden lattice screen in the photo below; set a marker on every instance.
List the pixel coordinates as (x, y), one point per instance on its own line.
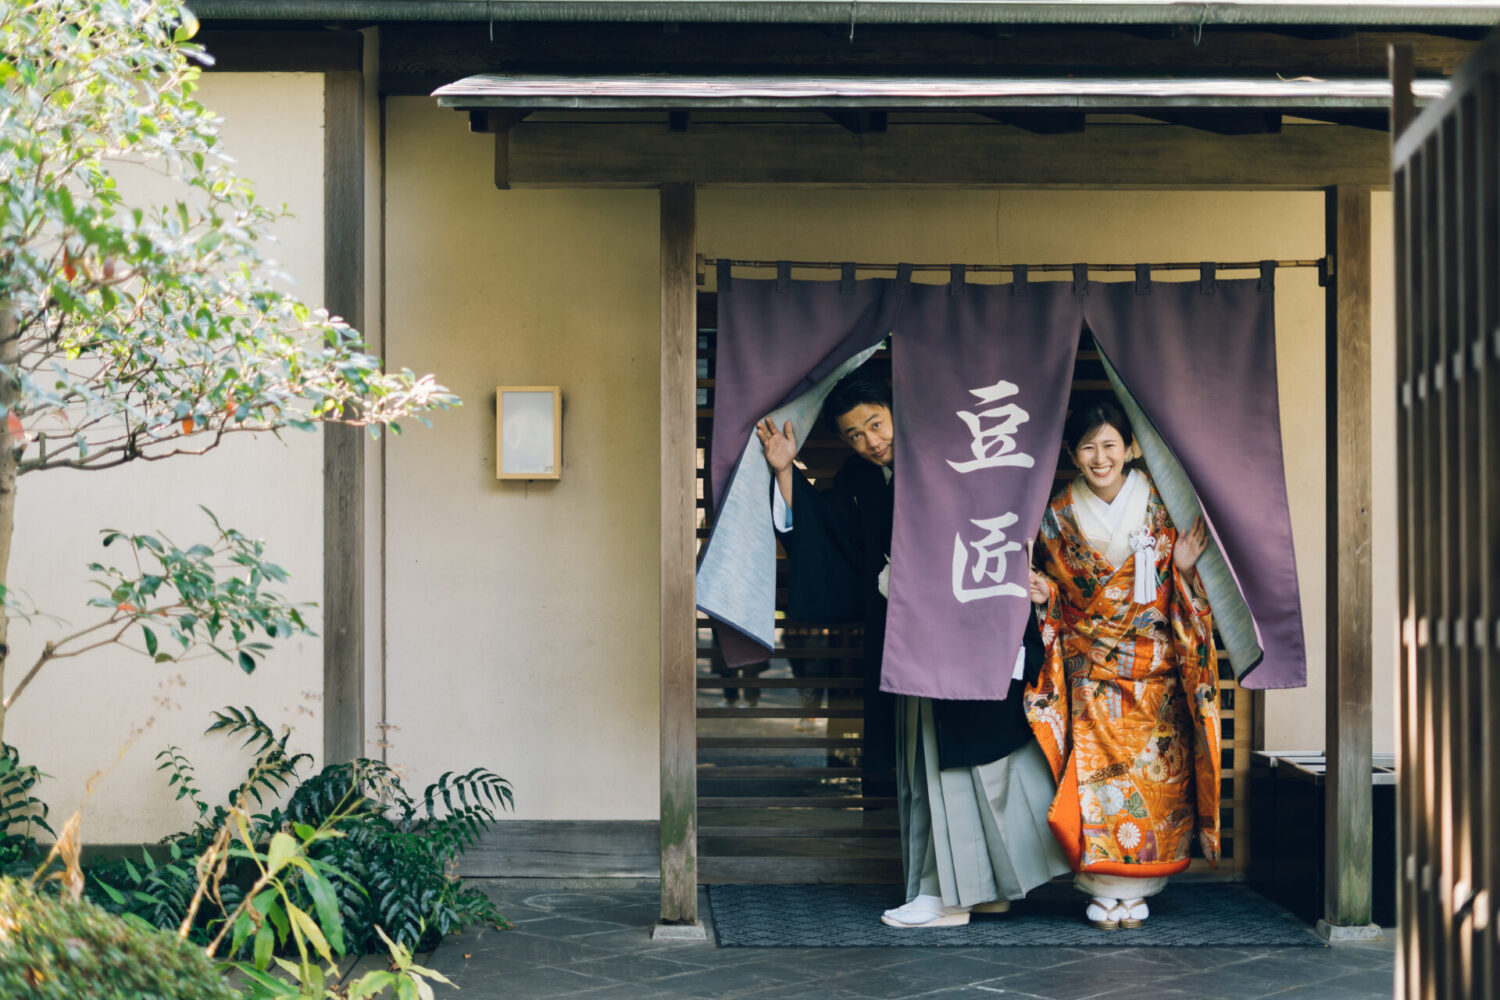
(782, 796)
(1446, 171)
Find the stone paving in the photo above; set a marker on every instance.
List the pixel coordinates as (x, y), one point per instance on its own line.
(591, 939)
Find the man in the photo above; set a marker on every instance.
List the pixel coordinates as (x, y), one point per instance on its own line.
(973, 787)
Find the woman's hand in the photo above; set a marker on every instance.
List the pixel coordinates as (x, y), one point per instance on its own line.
(1190, 546)
(1041, 590)
(780, 446)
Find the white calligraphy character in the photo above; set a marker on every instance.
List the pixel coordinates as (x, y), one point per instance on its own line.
(994, 446)
(989, 563)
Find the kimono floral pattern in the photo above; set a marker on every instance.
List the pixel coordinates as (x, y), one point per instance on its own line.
(1127, 707)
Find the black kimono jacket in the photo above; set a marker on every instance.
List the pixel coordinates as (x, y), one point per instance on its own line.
(838, 544)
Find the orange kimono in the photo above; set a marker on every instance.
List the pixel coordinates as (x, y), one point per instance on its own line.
(1127, 706)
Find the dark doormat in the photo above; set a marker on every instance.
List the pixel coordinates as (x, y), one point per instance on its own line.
(1204, 914)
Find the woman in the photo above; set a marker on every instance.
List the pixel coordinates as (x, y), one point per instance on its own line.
(1126, 708)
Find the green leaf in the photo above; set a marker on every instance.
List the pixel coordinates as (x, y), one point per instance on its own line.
(114, 894)
(327, 905)
(264, 941)
(283, 848)
(310, 931)
(150, 640)
(247, 662)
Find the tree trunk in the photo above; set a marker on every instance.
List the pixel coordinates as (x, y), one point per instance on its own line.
(10, 358)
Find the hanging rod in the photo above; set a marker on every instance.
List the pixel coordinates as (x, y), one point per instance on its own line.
(825, 265)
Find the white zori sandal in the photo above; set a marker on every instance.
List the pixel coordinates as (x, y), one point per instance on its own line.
(926, 911)
(1135, 912)
(1105, 913)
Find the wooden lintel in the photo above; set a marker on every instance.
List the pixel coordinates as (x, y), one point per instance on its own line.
(282, 51)
(1041, 122)
(1225, 121)
(1308, 157)
(495, 120)
(678, 635)
(859, 121)
(422, 57)
(1348, 831)
(1378, 121)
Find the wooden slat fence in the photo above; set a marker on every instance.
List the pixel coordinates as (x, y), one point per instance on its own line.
(1445, 172)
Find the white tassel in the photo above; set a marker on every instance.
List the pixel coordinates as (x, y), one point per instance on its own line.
(1144, 544)
(883, 581)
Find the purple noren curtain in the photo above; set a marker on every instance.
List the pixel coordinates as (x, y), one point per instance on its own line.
(981, 377)
(981, 383)
(1200, 359)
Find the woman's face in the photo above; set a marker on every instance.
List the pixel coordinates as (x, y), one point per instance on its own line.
(1101, 457)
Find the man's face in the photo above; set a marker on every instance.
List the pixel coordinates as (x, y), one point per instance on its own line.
(867, 429)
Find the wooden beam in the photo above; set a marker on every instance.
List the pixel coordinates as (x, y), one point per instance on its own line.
(678, 637)
(422, 57)
(1348, 857)
(343, 446)
(282, 51)
(499, 122)
(1308, 157)
(1226, 121)
(1040, 122)
(859, 121)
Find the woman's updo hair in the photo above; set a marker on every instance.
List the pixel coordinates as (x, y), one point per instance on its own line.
(1091, 414)
(859, 386)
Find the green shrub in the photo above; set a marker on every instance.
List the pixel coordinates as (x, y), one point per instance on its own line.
(390, 864)
(58, 949)
(21, 813)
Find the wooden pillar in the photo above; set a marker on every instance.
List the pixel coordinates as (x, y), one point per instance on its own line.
(343, 446)
(679, 341)
(1348, 803)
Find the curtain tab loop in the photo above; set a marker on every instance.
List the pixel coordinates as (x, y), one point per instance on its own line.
(846, 278)
(783, 275)
(1267, 275)
(903, 279)
(1080, 279)
(1207, 284)
(1018, 280)
(1143, 279)
(723, 275)
(956, 274)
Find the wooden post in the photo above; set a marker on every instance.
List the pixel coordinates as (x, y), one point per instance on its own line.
(679, 791)
(343, 446)
(1348, 855)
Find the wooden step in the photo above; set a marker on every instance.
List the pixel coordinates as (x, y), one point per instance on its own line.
(800, 871)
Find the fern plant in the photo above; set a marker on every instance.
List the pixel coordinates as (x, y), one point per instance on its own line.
(22, 814)
(390, 865)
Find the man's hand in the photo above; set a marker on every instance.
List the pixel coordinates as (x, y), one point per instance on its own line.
(780, 448)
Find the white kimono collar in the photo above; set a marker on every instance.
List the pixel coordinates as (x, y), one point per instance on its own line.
(1107, 525)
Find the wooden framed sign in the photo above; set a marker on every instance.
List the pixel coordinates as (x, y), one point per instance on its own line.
(528, 432)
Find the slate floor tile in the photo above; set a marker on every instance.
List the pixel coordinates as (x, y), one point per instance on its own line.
(634, 967)
(1073, 982)
(594, 944)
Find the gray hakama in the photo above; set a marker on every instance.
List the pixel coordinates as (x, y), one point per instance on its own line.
(971, 834)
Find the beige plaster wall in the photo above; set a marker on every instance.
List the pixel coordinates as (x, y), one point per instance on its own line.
(79, 714)
(521, 620)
